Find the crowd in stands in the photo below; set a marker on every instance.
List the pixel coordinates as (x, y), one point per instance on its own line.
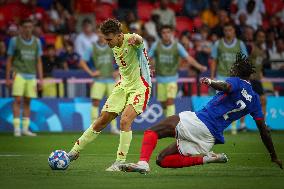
(67, 28)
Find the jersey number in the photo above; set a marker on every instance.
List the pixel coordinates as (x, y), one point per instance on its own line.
(242, 106)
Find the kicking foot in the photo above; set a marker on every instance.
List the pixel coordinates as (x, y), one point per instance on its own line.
(17, 132)
(115, 166)
(73, 155)
(114, 131)
(29, 133)
(215, 158)
(140, 167)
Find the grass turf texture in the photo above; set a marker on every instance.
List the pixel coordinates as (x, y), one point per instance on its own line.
(23, 164)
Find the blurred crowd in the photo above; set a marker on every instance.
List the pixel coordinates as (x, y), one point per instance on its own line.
(67, 28)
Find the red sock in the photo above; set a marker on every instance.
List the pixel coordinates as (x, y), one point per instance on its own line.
(148, 145)
(178, 161)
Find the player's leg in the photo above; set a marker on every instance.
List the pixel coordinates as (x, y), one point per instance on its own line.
(136, 103)
(171, 95)
(127, 117)
(30, 92)
(163, 129)
(26, 117)
(91, 133)
(17, 92)
(113, 106)
(16, 113)
(113, 123)
(97, 93)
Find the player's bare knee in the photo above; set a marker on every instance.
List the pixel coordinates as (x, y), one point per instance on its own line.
(159, 159)
(170, 101)
(125, 122)
(96, 102)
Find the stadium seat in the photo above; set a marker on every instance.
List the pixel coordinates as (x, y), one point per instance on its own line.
(103, 11)
(50, 38)
(144, 10)
(183, 23)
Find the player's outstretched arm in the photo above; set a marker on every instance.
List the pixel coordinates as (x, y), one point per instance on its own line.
(267, 141)
(217, 85)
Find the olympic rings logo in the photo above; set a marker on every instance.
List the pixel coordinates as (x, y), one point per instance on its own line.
(151, 114)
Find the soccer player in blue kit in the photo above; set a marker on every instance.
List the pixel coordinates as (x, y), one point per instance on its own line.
(197, 132)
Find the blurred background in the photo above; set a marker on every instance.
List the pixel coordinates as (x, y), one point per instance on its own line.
(198, 24)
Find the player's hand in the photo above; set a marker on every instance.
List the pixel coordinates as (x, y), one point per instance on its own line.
(203, 69)
(132, 41)
(205, 81)
(152, 70)
(278, 162)
(9, 83)
(96, 73)
(40, 84)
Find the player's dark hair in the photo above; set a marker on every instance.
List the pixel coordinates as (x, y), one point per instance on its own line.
(242, 67)
(24, 21)
(166, 27)
(111, 26)
(86, 21)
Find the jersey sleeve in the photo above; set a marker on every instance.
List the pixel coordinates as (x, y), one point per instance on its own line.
(87, 55)
(152, 50)
(39, 52)
(11, 47)
(234, 83)
(214, 50)
(256, 111)
(243, 48)
(181, 51)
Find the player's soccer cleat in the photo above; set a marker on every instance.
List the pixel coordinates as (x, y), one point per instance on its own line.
(211, 157)
(115, 166)
(73, 155)
(17, 132)
(29, 133)
(114, 131)
(142, 168)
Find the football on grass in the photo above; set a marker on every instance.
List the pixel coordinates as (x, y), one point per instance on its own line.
(58, 160)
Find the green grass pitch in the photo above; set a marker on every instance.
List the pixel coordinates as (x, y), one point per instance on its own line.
(23, 164)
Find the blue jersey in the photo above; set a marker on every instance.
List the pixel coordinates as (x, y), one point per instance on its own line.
(225, 108)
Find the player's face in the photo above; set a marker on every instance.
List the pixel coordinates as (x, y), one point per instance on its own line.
(229, 32)
(101, 38)
(27, 28)
(260, 37)
(113, 39)
(167, 34)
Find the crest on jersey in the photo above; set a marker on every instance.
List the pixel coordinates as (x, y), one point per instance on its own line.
(246, 95)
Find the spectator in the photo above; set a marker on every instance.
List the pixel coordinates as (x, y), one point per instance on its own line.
(258, 57)
(275, 26)
(12, 32)
(3, 58)
(70, 58)
(152, 26)
(224, 53)
(254, 17)
(241, 24)
(86, 38)
(24, 58)
(167, 15)
(50, 63)
(270, 42)
(210, 16)
(124, 6)
(259, 5)
(223, 19)
(277, 58)
(247, 38)
(39, 34)
(130, 19)
(59, 17)
(193, 8)
(166, 53)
